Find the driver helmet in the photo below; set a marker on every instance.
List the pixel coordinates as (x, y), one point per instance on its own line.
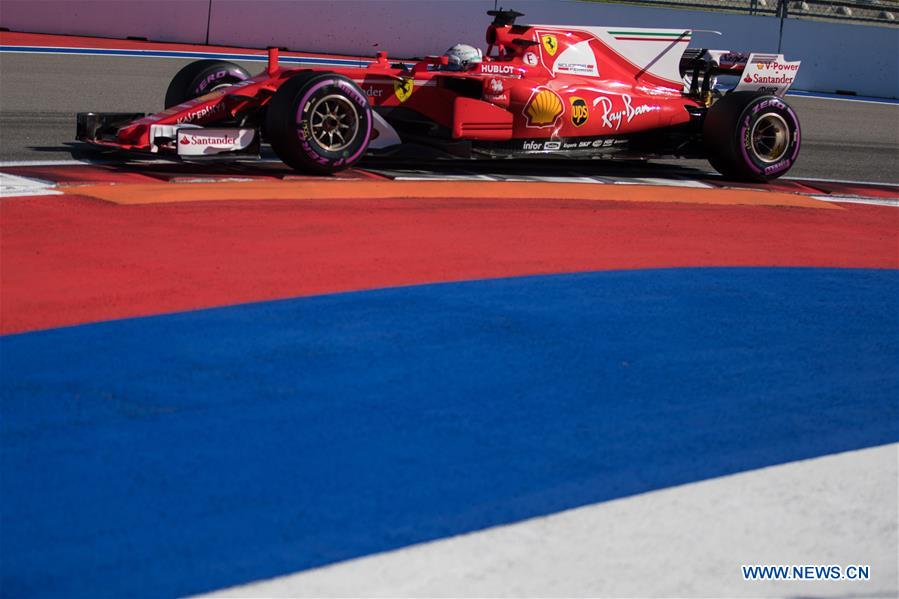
(463, 57)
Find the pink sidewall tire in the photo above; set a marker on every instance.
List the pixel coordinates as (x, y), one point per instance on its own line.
(319, 123)
(751, 137)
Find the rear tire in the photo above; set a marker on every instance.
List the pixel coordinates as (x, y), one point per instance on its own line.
(201, 77)
(319, 122)
(751, 137)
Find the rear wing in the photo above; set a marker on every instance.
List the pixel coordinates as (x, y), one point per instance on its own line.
(763, 73)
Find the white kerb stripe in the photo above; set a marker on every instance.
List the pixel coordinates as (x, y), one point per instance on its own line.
(16, 186)
(686, 541)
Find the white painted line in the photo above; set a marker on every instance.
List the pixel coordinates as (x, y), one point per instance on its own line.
(894, 203)
(814, 96)
(212, 180)
(13, 186)
(426, 176)
(547, 179)
(686, 541)
(471, 177)
(494, 177)
(70, 161)
(107, 161)
(665, 182)
(811, 180)
(15, 163)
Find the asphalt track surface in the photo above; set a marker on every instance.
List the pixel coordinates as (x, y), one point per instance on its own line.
(39, 95)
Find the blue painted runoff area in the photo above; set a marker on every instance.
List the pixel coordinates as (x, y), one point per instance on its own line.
(175, 454)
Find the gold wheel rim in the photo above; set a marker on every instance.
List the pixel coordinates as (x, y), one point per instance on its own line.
(770, 137)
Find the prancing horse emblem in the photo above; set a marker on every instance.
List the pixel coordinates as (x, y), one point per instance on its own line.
(403, 88)
(550, 43)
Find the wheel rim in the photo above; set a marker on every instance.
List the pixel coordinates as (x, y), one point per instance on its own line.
(334, 122)
(770, 137)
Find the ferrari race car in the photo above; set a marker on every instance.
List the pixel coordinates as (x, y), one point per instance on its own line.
(538, 91)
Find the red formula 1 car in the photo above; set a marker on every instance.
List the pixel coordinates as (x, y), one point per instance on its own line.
(539, 91)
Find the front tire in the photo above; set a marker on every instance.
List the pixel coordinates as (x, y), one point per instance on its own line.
(751, 137)
(319, 122)
(201, 77)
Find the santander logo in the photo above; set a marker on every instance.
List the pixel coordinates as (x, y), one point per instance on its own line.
(226, 140)
(204, 142)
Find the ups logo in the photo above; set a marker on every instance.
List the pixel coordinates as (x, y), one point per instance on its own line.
(580, 114)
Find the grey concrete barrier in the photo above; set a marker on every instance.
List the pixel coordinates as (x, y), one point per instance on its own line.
(160, 20)
(856, 58)
(408, 28)
(859, 58)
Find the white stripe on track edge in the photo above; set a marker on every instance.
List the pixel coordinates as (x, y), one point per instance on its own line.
(819, 180)
(816, 96)
(893, 203)
(686, 541)
(66, 162)
(103, 161)
(486, 177)
(663, 182)
(12, 186)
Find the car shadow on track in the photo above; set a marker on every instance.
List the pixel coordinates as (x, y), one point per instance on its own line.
(268, 166)
(553, 170)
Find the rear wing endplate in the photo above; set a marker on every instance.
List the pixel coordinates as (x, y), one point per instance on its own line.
(768, 73)
(763, 73)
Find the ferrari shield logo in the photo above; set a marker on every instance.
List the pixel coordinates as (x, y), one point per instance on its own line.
(403, 88)
(550, 43)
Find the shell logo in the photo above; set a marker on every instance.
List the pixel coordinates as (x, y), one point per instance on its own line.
(543, 109)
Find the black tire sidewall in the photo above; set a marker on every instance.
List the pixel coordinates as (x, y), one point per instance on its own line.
(199, 78)
(288, 122)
